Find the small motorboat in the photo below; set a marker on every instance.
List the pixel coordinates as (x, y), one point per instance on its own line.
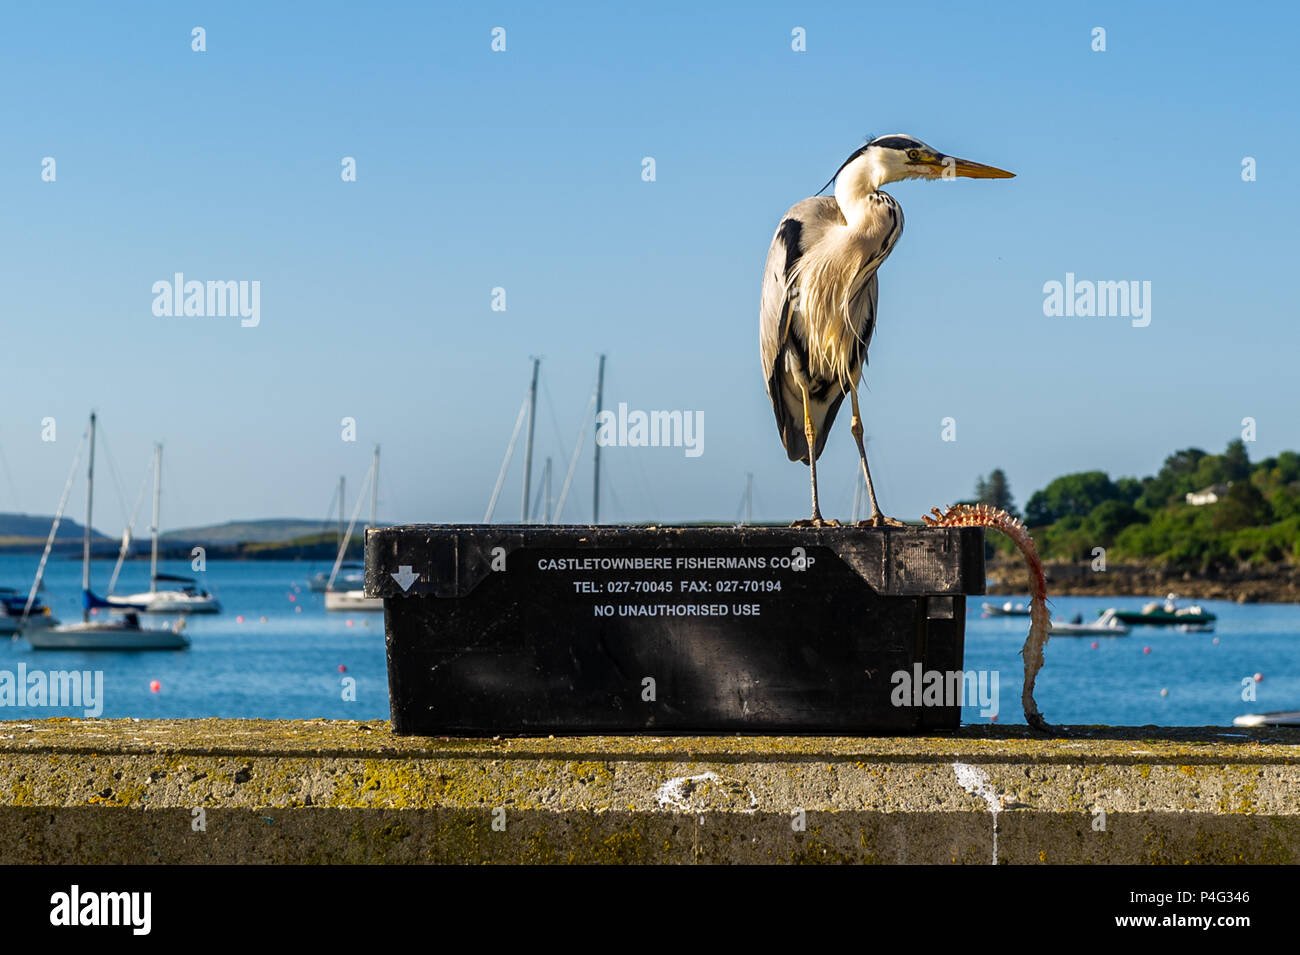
(1007, 609)
(1166, 613)
(352, 600)
(12, 604)
(1107, 625)
(1279, 718)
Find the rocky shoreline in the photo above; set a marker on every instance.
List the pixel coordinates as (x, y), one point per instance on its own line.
(1279, 585)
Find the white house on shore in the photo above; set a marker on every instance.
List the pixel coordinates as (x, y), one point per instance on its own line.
(1210, 495)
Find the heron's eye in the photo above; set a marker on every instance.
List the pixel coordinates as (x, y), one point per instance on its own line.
(913, 154)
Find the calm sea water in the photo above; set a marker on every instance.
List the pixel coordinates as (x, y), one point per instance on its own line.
(1120, 683)
(282, 661)
(285, 666)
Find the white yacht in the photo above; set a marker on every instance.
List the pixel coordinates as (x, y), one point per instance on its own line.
(351, 600)
(1107, 625)
(121, 634)
(350, 596)
(351, 576)
(125, 633)
(188, 598)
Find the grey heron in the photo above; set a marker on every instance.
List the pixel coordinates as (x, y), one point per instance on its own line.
(818, 307)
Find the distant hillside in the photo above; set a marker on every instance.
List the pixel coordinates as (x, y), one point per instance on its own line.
(33, 526)
(24, 532)
(270, 531)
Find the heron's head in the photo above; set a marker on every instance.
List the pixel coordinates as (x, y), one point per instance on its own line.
(898, 156)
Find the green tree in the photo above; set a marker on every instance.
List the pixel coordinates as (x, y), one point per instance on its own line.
(1130, 489)
(1279, 472)
(1109, 518)
(1236, 462)
(1212, 469)
(1243, 506)
(1176, 478)
(996, 491)
(1288, 467)
(1285, 503)
(1073, 494)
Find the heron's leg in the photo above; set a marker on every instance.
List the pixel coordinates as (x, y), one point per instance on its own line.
(810, 434)
(876, 519)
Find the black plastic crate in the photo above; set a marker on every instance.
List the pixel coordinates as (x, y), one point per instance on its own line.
(529, 630)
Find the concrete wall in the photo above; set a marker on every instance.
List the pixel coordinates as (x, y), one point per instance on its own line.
(113, 791)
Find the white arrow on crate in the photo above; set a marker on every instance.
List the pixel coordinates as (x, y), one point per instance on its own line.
(405, 577)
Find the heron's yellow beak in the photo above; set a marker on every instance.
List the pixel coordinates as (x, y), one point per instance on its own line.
(975, 170)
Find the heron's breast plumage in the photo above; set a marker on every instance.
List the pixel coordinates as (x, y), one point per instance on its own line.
(832, 306)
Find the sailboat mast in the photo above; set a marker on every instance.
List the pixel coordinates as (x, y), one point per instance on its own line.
(85, 541)
(546, 511)
(595, 483)
(157, 501)
(374, 489)
(342, 486)
(528, 446)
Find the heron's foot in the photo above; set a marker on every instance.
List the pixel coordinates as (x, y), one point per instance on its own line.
(880, 520)
(816, 522)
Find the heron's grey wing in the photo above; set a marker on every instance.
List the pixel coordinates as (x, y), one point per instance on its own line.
(778, 328)
(774, 331)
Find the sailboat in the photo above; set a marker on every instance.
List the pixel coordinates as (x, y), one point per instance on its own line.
(348, 575)
(122, 634)
(188, 598)
(355, 598)
(12, 605)
(351, 574)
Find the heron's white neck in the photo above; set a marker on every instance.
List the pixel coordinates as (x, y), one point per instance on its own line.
(858, 182)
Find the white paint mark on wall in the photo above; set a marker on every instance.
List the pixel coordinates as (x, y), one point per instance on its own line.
(673, 794)
(976, 782)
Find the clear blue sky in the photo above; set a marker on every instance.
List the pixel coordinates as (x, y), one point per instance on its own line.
(522, 170)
